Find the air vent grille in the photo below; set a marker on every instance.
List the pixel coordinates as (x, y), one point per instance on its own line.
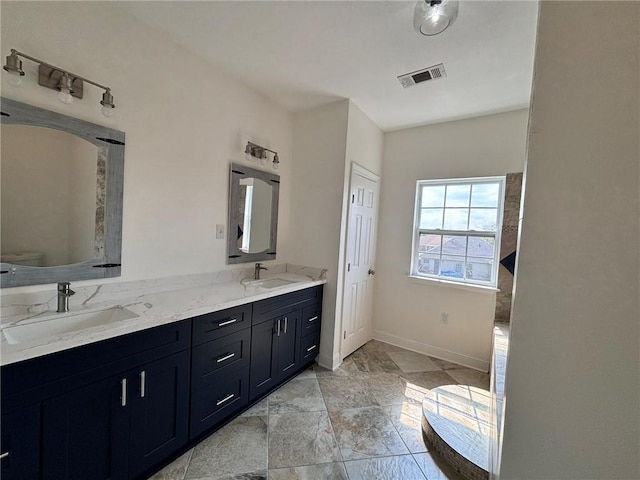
(430, 73)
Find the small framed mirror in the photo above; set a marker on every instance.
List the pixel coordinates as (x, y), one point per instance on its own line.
(62, 184)
(253, 215)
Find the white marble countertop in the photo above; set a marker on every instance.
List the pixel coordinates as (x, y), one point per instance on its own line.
(154, 302)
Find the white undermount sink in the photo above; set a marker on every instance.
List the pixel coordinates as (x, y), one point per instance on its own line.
(269, 283)
(59, 324)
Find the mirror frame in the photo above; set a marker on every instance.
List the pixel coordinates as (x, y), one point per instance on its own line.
(109, 265)
(238, 172)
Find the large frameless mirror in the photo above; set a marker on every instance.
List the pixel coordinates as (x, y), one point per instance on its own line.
(253, 215)
(61, 197)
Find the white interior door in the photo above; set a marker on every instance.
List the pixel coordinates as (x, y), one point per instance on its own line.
(359, 269)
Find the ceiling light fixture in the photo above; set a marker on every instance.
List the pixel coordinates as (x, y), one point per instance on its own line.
(432, 17)
(67, 84)
(253, 150)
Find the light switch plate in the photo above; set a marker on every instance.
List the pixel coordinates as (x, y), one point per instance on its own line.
(219, 231)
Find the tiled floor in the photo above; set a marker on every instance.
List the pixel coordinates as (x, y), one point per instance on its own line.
(360, 422)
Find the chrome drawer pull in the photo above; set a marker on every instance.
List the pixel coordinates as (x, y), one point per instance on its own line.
(313, 318)
(228, 322)
(225, 399)
(286, 323)
(311, 348)
(278, 327)
(123, 392)
(226, 357)
(143, 383)
(4, 455)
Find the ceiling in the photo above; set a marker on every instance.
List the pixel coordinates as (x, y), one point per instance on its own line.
(304, 54)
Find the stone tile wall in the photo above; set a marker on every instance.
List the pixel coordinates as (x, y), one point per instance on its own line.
(513, 190)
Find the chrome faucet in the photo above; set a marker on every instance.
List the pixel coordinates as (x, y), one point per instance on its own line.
(64, 292)
(256, 274)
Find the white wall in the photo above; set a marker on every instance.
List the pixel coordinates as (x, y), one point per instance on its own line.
(407, 311)
(184, 123)
(326, 140)
(573, 373)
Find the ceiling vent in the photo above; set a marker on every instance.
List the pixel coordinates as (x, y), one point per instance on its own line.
(430, 73)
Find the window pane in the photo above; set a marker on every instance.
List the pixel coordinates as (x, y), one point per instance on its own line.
(433, 196)
(452, 267)
(483, 219)
(458, 195)
(454, 245)
(429, 264)
(455, 218)
(485, 195)
(431, 218)
(479, 269)
(430, 243)
(481, 247)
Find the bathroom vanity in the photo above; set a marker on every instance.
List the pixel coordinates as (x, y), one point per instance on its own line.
(123, 407)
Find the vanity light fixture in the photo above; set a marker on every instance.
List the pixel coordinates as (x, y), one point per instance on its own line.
(253, 150)
(68, 84)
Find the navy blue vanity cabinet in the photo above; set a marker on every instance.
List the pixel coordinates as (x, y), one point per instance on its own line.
(86, 433)
(310, 333)
(108, 410)
(220, 367)
(159, 421)
(118, 427)
(20, 445)
(276, 338)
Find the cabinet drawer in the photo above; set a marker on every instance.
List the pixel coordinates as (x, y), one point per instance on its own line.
(223, 396)
(218, 324)
(309, 347)
(225, 354)
(282, 304)
(311, 317)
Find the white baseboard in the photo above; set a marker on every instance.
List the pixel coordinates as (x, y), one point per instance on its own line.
(327, 362)
(437, 352)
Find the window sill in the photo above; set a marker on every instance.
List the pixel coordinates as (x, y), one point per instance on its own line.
(445, 283)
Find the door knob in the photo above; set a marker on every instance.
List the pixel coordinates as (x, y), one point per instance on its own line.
(372, 271)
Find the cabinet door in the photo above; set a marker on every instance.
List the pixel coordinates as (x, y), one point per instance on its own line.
(86, 433)
(159, 411)
(264, 369)
(288, 344)
(20, 451)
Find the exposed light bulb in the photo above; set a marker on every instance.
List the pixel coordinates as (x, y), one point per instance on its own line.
(107, 111)
(64, 96)
(14, 78)
(263, 159)
(247, 157)
(276, 165)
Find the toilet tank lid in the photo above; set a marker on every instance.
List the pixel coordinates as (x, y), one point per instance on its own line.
(17, 257)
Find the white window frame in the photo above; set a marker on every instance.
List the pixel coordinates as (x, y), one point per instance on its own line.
(468, 233)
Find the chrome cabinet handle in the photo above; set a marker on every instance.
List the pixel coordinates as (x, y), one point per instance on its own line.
(4, 455)
(286, 322)
(228, 322)
(143, 383)
(225, 399)
(226, 357)
(311, 348)
(278, 327)
(123, 392)
(313, 318)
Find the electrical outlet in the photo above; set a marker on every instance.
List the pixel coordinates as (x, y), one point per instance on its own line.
(444, 317)
(219, 232)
